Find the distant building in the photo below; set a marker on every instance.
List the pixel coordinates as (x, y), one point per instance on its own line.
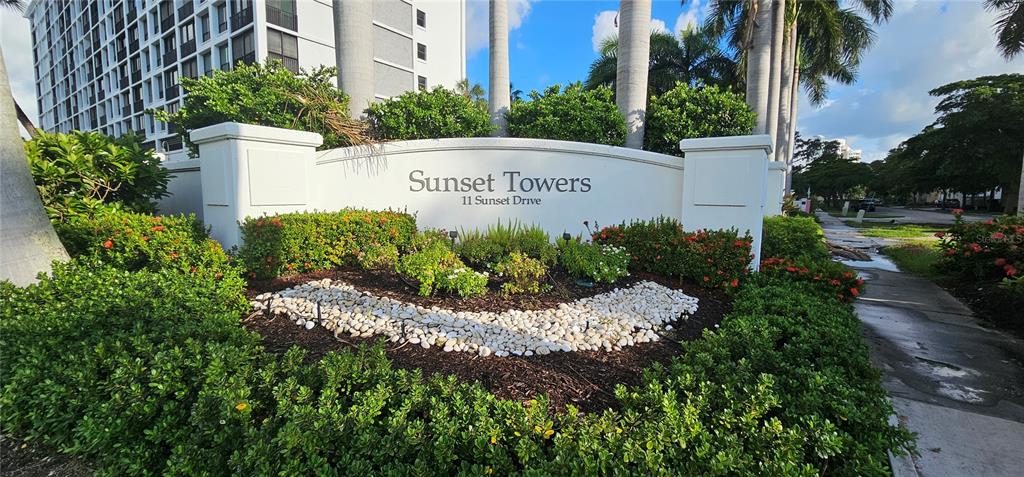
(844, 149)
(99, 64)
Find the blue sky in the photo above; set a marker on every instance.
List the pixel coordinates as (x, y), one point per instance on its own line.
(926, 44)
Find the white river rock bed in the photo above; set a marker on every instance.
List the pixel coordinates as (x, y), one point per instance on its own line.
(608, 321)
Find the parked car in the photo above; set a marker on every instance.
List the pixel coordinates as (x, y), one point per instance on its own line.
(868, 205)
(948, 203)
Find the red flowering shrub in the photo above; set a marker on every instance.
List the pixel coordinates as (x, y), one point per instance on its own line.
(305, 242)
(830, 278)
(987, 251)
(131, 241)
(717, 258)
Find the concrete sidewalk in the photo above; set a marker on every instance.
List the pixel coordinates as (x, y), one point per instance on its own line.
(960, 386)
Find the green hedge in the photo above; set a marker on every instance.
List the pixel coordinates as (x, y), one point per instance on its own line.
(718, 258)
(793, 238)
(130, 241)
(150, 373)
(304, 242)
(429, 114)
(572, 114)
(686, 112)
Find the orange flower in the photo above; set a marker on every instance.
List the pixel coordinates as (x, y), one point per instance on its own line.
(108, 244)
(157, 228)
(854, 291)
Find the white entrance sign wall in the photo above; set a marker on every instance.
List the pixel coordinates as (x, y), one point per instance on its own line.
(470, 183)
(184, 189)
(776, 188)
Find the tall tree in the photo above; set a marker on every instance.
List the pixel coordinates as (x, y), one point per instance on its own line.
(28, 244)
(473, 91)
(775, 78)
(632, 67)
(353, 27)
(821, 168)
(694, 58)
(759, 60)
(498, 99)
(1009, 25)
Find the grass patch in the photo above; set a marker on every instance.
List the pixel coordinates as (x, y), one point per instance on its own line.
(916, 258)
(917, 232)
(838, 213)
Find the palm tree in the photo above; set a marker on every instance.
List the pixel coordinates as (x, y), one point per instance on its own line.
(28, 244)
(515, 95)
(632, 67)
(353, 27)
(498, 84)
(778, 26)
(759, 58)
(23, 118)
(694, 58)
(1009, 25)
(474, 92)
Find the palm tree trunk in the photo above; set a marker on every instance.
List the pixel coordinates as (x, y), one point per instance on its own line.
(1020, 191)
(785, 95)
(631, 67)
(25, 121)
(28, 244)
(775, 76)
(498, 85)
(353, 28)
(759, 57)
(794, 101)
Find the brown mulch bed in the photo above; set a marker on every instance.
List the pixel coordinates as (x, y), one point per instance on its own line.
(585, 379)
(19, 459)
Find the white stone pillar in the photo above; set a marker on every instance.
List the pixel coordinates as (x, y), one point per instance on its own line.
(724, 185)
(775, 190)
(248, 171)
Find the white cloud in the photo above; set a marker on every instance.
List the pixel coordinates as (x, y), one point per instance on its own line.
(16, 41)
(693, 16)
(477, 22)
(605, 27)
(925, 45)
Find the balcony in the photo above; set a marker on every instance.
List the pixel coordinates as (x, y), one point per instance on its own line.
(171, 93)
(282, 18)
(186, 10)
(119, 24)
(133, 45)
(188, 48)
(123, 82)
(170, 57)
(248, 58)
(137, 106)
(126, 111)
(167, 23)
(241, 19)
(136, 76)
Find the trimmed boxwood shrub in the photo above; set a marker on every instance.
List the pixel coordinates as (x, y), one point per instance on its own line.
(793, 238)
(131, 242)
(717, 258)
(575, 114)
(428, 114)
(311, 241)
(687, 112)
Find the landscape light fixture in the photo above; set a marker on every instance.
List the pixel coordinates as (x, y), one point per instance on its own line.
(566, 236)
(453, 234)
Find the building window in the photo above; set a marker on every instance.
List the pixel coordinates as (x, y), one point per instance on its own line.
(224, 57)
(204, 27)
(421, 18)
(243, 48)
(421, 82)
(206, 64)
(189, 69)
(282, 13)
(222, 18)
(284, 47)
(421, 51)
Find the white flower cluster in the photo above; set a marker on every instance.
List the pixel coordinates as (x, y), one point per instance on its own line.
(608, 321)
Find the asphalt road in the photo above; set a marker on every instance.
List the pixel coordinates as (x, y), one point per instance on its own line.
(925, 216)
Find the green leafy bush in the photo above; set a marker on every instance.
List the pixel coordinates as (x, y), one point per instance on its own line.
(378, 256)
(484, 249)
(984, 251)
(423, 114)
(833, 279)
(522, 274)
(717, 258)
(600, 263)
(132, 242)
(267, 95)
(79, 173)
(686, 112)
(435, 267)
(793, 238)
(122, 366)
(575, 114)
(306, 242)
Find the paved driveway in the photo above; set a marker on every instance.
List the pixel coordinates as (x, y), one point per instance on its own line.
(925, 216)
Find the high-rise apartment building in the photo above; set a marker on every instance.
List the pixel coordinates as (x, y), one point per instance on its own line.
(100, 64)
